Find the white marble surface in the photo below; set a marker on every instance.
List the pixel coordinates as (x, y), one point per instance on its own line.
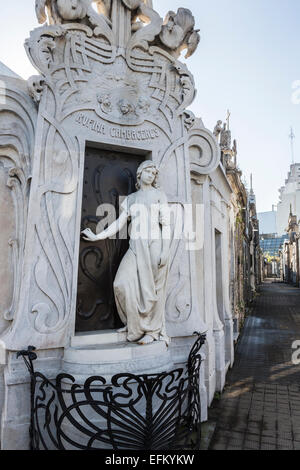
(97, 337)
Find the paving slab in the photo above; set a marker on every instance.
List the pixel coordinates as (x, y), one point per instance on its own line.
(260, 406)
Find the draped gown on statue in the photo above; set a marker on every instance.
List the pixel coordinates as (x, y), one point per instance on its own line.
(140, 284)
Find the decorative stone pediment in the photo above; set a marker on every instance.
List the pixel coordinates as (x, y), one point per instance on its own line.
(174, 35)
(88, 71)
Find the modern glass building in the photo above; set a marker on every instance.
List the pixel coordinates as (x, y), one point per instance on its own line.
(271, 246)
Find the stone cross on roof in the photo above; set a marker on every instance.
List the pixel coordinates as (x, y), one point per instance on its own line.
(228, 118)
(292, 137)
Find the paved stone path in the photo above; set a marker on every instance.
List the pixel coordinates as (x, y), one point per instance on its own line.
(260, 408)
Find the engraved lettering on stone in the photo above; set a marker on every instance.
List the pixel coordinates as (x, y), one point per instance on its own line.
(95, 126)
(133, 134)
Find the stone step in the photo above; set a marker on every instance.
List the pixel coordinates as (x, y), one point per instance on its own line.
(108, 359)
(113, 352)
(97, 338)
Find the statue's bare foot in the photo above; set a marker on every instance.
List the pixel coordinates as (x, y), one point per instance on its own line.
(147, 339)
(122, 330)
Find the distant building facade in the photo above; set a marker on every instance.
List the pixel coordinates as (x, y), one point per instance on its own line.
(268, 222)
(289, 194)
(245, 254)
(290, 265)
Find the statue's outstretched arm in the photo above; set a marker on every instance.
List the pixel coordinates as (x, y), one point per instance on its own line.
(111, 231)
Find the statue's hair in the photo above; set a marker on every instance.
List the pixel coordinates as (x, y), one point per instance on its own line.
(141, 168)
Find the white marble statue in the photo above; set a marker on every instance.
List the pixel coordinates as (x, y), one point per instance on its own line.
(76, 10)
(140, 283)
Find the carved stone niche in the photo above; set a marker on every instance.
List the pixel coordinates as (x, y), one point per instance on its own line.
(110, 85)
(108, 177)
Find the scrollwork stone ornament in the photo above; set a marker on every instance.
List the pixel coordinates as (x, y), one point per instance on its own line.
(205, 152)
(17, 124)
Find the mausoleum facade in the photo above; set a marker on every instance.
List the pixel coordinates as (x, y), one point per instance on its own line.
(110, 93)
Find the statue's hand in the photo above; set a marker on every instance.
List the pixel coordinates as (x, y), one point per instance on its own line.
(163, 260)
(88, 235)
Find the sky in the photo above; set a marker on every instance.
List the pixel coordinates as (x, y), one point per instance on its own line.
(248, 61)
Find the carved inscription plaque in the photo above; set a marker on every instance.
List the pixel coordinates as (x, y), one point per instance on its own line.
(107, 175)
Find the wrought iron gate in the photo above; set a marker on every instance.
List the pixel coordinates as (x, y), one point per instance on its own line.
(133, 412)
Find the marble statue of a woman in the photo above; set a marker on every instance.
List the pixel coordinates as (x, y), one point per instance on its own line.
(140, 283)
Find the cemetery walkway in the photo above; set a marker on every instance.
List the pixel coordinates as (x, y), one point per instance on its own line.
(260, 407)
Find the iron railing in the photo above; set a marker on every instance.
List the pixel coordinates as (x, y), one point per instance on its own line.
(132, 412)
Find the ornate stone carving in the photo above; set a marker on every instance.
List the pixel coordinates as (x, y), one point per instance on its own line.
(231, 157)
(61, 11)
(223, 136)
(17, 124)
(143, 106)
(149, 27)
(178, 32)
(225, 140)
(234, 148)
(189, 119)
(218, 129)
(125, 107)
(35, 87)
(188, 92)
(105, 103)
(132, 4)
(57, 11)
(66, 11)
(105, 6)
(204, 150)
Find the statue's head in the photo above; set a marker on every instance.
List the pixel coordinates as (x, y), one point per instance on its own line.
(61, 10)
(125, 106)
(147, 172)
(132, 4)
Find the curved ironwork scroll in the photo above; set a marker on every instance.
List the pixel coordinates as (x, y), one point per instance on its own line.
(132, 412)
